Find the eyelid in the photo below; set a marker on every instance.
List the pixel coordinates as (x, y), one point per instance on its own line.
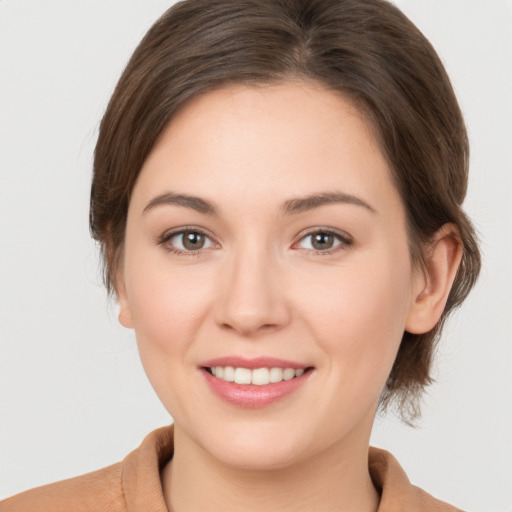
(345, 240)
(169, 234)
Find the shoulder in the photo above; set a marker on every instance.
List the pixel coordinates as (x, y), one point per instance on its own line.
(397, 493)
(133, 484)
(100, 490)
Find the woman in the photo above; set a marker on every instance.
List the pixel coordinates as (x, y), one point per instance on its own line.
(277, 193)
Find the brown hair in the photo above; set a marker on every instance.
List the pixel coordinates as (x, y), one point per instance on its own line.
(365, 49)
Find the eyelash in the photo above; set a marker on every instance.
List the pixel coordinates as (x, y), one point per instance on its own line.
(344, 239)
(166, 237)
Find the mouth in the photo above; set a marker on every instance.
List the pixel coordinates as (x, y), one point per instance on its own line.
(254, 383)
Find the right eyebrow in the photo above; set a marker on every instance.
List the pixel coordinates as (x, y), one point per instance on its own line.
(187, 201)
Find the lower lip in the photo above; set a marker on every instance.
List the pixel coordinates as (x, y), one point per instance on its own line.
(250, 396)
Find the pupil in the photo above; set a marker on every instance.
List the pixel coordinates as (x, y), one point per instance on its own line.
(322, 241)
(193, 240)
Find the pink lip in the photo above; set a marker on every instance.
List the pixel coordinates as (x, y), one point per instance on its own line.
(251, 364)
(250, 396)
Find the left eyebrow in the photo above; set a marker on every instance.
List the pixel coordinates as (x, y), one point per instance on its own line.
(195, 203)
(302, 204)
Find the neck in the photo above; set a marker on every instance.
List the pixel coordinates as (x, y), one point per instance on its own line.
(337, 479)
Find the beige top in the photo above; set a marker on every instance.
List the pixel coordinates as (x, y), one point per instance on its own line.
(134, 485)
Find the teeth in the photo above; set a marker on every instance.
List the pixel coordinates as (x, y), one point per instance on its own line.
(242, 376)
(229, 374)
(288, 373)
(258, 376)
(261, 376)
(276, 374)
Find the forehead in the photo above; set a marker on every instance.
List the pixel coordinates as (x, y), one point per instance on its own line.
(259, 143)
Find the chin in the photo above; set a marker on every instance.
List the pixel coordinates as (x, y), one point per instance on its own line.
(250, 445)
(267, 445)
(258, 454)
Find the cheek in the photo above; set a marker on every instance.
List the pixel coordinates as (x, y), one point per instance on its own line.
(357, 315)
(168, 308)
(167, 304)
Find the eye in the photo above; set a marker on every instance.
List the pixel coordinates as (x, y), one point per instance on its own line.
(186, 241)
(325, 241)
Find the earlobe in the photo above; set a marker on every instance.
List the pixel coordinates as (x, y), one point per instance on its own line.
(125, 315)
(432, 288)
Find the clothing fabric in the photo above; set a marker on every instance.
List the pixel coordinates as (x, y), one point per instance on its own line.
(134, 485)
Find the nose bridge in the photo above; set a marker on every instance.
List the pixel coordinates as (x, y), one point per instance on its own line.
(252, 298)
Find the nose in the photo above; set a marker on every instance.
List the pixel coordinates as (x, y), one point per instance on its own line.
(252, 296)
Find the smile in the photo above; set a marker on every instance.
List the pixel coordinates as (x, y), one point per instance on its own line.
(254, 383)
(258, 376)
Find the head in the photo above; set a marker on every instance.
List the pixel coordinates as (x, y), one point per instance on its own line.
(365, 51)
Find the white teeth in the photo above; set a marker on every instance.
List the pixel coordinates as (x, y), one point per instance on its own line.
(258, 376)
(243, 376)
(288, 373)
(229, 374)
(276, 374)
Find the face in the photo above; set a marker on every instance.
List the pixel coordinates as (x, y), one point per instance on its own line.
(265, 240)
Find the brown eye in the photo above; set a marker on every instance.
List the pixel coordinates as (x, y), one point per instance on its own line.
(188, 241)
(193, 241)
(324, 241)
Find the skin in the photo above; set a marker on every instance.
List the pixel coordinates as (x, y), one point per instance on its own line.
(259, 288)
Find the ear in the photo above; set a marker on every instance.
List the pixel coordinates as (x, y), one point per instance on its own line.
(432, 284)
(125, 314)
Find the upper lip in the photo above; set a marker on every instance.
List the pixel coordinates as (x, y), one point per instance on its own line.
(253, 363)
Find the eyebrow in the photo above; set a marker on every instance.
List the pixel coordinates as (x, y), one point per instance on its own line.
(193, 202)
(290, 207)
(302, 204)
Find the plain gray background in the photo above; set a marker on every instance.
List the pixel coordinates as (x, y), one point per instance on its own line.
(73, 395)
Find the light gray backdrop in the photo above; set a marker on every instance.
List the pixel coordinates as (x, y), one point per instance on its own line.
(73, 396)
